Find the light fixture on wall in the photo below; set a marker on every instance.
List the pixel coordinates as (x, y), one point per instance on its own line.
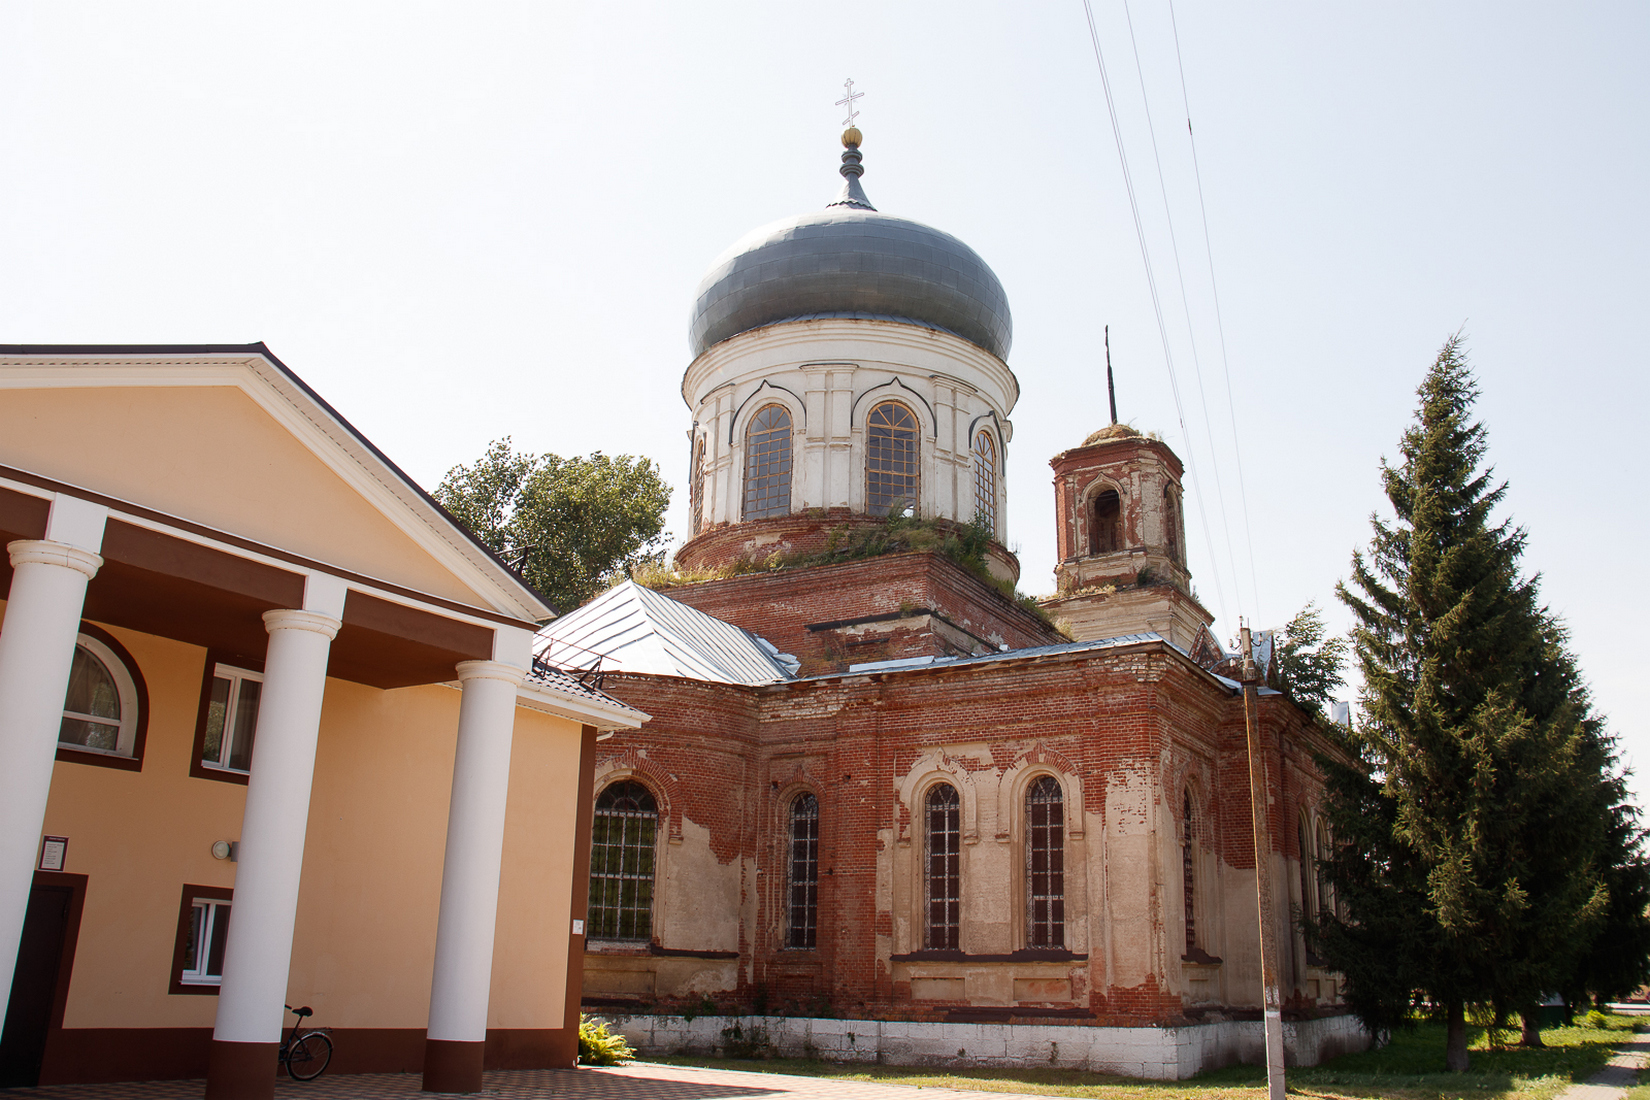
(226, 849)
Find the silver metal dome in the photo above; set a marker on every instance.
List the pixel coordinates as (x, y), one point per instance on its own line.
(849, 260)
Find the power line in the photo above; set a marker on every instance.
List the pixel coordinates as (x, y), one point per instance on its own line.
(1220, 325)
(1151, 284)
(1186, 307)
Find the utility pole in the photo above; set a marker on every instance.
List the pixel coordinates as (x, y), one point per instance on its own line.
(1259, 813)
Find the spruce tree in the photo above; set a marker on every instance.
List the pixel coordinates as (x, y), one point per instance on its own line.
(1466, 853)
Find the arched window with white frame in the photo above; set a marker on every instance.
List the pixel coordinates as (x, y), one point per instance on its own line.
(768, 463)
(696, 488)
(985, 481)
(892, 468)
(102, 708)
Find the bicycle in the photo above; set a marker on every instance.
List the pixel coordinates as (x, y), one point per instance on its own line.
(305, 1054)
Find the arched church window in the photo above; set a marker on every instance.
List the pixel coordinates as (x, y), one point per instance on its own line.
(802, 912)
(1045, 865)
(768, 463)
(696, 487)
(943, 829)
(1188, 865)
(985, 481)
(1107, 531)
(1171, 523)
(891, 472)
(1326, 890)
(622, 863)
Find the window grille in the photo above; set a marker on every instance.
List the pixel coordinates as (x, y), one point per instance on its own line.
(944, 868)
(696, 489)
(1171, 524)
(804, 880)
(768, 463)
(1187, 873)
(891, 475)
(985, 482)
(1045, 865)
(622, 861)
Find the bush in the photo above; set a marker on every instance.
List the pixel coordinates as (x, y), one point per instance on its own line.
(1595, 1019)
(600, 1047)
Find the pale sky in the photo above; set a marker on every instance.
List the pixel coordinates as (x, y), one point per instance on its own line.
(460, 222)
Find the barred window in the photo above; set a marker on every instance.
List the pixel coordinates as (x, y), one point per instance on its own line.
(891, 474)
(944, 867)
(768, 463)
(803, 910)
(985, 481)
(696, 487)
(1045, 865)
(1186, 870)
(622, 863)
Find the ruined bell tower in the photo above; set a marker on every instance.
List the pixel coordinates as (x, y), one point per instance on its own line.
(1122, 540)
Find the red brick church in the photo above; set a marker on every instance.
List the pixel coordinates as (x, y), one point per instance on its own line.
(879, 792)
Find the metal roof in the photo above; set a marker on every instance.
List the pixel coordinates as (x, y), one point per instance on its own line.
(634, 629)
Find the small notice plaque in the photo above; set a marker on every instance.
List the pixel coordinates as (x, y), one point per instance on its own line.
(54, 853)
(578, 928)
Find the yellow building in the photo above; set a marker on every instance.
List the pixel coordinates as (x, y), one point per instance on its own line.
(249, 670)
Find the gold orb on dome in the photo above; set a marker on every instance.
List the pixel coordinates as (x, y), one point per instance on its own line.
(851, 137)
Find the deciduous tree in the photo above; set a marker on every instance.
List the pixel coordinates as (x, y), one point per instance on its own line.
(572, 524)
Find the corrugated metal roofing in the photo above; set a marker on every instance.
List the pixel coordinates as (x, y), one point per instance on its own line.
(634, 629)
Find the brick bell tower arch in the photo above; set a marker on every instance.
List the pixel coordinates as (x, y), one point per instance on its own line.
(1121, 529)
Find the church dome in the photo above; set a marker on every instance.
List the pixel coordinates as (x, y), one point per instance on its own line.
(849, 260)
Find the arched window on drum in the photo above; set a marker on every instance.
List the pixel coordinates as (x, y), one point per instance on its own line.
(892, 478)
(768, 463)
(696, 488)
(985, 482)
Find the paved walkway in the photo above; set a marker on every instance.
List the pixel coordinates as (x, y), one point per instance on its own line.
(637, 1081)
(1613, 1081)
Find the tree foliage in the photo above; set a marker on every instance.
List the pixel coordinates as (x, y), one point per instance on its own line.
(574, 524)
(1310, 663)
(1473, 826)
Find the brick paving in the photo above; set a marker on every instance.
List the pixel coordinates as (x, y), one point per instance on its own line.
(637, 1081)
(1613, 1081)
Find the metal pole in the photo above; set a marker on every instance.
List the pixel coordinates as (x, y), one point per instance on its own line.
(1270, 1000)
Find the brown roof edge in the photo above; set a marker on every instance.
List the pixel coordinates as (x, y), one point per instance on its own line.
(261, 349)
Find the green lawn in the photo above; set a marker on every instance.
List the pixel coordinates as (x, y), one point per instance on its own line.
(1410, 1068)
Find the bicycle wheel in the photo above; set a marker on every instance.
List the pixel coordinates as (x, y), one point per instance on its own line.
(308, 1057)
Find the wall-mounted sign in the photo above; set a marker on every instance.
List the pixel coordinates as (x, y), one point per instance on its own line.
(578, 928)
(54, 853)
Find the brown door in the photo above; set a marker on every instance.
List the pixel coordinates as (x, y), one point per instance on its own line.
(34, 986)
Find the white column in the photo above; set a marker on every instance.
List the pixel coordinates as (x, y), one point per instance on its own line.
(259, 950)
(48, 591)
(469, 876)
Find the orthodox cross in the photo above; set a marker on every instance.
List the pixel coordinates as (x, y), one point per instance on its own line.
(848, 101)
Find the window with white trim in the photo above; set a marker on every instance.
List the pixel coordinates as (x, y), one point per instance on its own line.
(892, 477)
(231, 718)
(985, 482)
(204, 940)
(768, 463)
(100, 708)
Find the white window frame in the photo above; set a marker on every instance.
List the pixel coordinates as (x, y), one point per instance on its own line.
(125, 687)
(235, 675)
(194, 973)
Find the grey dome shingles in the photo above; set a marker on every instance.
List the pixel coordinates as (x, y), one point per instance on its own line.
(845, 261)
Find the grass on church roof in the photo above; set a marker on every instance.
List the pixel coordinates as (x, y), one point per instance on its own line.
(1409, 1068)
